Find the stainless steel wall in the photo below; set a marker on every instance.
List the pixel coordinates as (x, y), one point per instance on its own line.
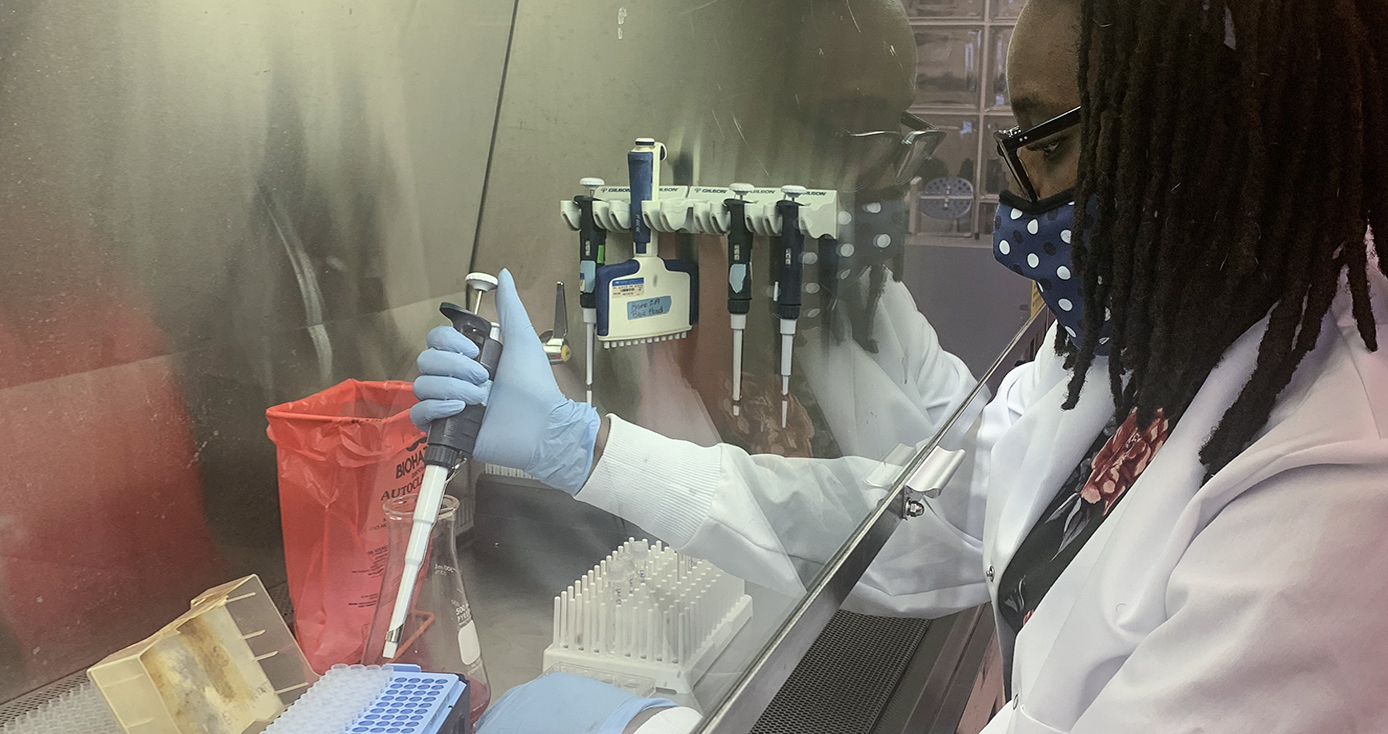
(206, 208)
(739, 91)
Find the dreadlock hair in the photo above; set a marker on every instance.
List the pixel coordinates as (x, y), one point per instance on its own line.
(1205, 124)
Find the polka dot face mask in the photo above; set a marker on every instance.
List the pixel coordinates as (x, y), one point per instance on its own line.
(1034, 241)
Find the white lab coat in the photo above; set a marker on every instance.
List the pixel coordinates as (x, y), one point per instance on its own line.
(1248, 603)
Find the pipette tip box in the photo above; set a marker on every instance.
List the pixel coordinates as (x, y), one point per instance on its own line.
(648, 611)
(370, 699)
(226, 666)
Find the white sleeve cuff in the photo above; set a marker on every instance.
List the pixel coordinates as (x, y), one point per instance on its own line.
(678, 720)
(662, 484)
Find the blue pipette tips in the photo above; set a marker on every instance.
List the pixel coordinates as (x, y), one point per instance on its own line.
(367, 699)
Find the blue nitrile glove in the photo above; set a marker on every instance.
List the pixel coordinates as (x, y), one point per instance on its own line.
(529, 425)
(561, 703)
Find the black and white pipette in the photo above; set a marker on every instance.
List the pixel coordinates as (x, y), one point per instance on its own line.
(451, 440)
(592, 246)
(788, 279)
(739, 279)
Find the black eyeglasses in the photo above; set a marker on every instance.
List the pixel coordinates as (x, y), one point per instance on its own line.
(901, 152)
(1012, 143)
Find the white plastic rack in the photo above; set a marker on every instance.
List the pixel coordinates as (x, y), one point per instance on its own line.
(648, 611)
(700, 210)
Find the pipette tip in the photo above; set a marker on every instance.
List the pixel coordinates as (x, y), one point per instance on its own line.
(737, 410)
(785, 405)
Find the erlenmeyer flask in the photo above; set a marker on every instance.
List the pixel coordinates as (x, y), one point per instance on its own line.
(439, 634)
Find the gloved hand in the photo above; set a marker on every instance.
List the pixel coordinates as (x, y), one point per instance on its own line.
(529, 424)
(560, 703)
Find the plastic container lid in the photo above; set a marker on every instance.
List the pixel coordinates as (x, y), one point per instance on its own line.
(226, 666)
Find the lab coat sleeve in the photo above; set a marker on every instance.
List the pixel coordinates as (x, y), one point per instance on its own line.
(767, 519)
(775, 521)
(898, 392)
(1275, 618)
(933, 564)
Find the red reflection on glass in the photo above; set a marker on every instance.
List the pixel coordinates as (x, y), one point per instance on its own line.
(102, 532)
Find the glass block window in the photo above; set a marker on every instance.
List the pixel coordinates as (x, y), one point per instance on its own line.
(961, 87)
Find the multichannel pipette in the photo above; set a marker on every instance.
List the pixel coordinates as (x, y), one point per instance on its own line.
(646, 299)
(592, 241)
(451, 440)
(739, 279)
(790, 272)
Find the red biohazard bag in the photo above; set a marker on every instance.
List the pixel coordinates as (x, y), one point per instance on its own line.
(342, 453)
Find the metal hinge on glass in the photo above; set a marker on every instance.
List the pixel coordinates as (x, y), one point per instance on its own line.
(930, 478)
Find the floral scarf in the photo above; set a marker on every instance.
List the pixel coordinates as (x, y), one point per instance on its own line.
(1118, 457)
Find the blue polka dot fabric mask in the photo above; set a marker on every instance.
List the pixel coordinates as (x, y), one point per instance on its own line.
(1034, 241)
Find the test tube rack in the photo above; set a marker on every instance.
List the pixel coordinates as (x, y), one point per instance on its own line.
(648, 611)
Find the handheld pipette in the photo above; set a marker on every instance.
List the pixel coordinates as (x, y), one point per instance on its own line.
(789, 276)
(592, 245)
(643, 168)
(451, 440)
(739, 279)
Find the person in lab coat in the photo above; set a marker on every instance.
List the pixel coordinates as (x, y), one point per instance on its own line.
(1177, 513)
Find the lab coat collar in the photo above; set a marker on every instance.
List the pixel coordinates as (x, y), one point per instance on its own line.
(1050, 443)
(1114, 616)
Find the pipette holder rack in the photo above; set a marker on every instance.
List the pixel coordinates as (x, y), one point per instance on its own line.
(650, 613)
(700, 210)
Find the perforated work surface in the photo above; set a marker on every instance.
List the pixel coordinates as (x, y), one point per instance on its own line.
(32, 700)
(844, 681)
(71, 705)
(279, 594)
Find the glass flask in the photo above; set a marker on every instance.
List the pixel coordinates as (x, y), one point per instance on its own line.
(439, 635)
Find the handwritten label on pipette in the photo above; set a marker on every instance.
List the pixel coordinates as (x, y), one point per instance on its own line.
(649, 307)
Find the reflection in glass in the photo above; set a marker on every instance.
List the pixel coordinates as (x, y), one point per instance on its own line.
(995, 179)
(1007, 9)
(997, 71)
(333, 203)
(240, 214)
(947, 65)
(970, 9)
(955, 160)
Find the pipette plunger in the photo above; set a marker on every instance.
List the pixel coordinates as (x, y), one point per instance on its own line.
(482, 283)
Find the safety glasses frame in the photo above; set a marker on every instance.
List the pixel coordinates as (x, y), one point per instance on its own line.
(1012, 140)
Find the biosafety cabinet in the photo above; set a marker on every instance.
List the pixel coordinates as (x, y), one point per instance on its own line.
(211, 208)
